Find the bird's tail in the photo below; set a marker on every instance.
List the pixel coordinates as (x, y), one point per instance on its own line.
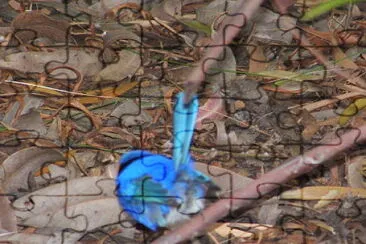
(184, 120)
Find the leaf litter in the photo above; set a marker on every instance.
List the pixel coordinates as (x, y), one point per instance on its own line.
(53, 96)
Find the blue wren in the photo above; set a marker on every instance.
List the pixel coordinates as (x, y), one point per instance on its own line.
(158, 191)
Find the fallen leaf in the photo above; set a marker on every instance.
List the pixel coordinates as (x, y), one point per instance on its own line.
(343, 60)
(257, 58)
(356, 172)
(222, 137)
(97, 122)
(55, 197)
(8, 220)
(84, 60)
(320, 192)
(352, 110)
(34, 238)
(108, 92)
(212, 109)
(33, 24)
(128, 63)
(227, 230)
(18, 166)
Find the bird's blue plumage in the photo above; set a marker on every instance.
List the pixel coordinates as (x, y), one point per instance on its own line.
(184, 120)
(158, 191)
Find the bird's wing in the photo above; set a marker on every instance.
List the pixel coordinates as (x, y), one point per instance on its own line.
(153, 192)
(184, 120)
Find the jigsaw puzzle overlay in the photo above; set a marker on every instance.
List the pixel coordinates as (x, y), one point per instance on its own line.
(83, 83)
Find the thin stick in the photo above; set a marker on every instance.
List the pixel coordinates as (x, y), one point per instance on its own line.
(229, 28)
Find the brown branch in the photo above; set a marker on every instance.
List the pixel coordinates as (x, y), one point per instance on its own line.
(245, 197)
(229, 28)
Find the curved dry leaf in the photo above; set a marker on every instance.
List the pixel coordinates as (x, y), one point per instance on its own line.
(324, 200)
(212, 11)
(107, 91)
(22, 115)
(222, 137)
(8, 220)
(168, 94)
(355, 178)
(17, 167)
(111, 170)
(241, 230)
(56, 237)
(270, 211)
(34, 24)
(353, 110)
(324, 193)
(167, 9)
(95, 119)
(122, 33)
(214, 108)
(129, 113)
(257, 56)
(25, 238)
(343, 60)
(83, 216)
(128, 63)
(123, 134)
(58, 196)
(103, 7)
(83, 60)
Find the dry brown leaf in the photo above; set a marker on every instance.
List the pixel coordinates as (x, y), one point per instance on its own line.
(222, 137)
(17, 167)
(168, 94)
(97, 122)
(257, 59)
(86, 61)
(227, 229)
(123, 134)
(110, 92)
(34, 24)
(323, 192)
(167, 9)
(32, 238)
(355, 172)
(8, 220)
(212, 109)
(83, 216)
(128, 63)
(55, 197)
(342, 60)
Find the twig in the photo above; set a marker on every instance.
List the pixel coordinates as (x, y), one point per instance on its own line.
(229, 28)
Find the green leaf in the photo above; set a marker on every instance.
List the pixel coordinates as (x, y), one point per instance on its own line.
(284, 75)
(326, 7)
(198, 26)
(2, 128)
(352, 110)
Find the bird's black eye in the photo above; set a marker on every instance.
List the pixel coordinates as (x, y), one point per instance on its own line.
(179, 206)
